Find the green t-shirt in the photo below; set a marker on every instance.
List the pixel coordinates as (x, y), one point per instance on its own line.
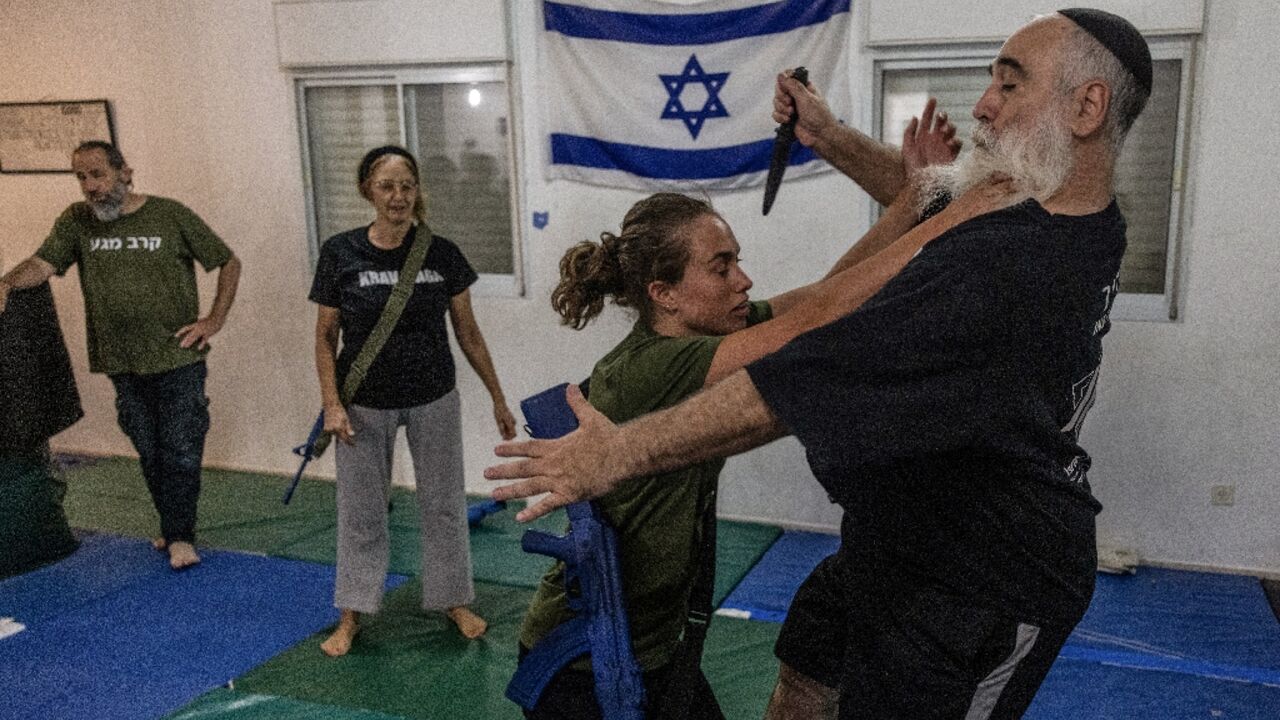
(658, 518)
(138, 281)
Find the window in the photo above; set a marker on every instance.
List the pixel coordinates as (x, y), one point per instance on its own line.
(454, 120)
(1148, 186)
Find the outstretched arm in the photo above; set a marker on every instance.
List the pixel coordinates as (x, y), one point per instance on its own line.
(473, 347)
(876, 167)
(886, 248)
(724, 420)
(846, 291)
(927, 141)
(727, 418)
(28, 273)
(199, 332)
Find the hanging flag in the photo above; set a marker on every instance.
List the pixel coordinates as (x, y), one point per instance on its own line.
(650, 95)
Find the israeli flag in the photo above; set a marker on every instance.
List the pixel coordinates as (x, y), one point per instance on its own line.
(649, 95)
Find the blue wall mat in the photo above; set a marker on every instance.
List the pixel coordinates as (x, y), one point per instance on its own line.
(1182, 616)
(1075, 690)
(1161, 644)
(148, 644)
(766, 592)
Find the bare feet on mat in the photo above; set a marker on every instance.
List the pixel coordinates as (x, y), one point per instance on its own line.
(339, 643)
(182, 555)
(159, 543)
(469, 624)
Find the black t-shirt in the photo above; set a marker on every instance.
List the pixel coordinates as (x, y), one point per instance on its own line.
(944, 415)
(415, 365)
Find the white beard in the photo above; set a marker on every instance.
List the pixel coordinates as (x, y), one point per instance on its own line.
(1037, 159)
(110, 207)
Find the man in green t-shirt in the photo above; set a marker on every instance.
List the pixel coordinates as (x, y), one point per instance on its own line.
(135, 254)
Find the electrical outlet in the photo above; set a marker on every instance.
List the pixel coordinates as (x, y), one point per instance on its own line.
(1222, 495)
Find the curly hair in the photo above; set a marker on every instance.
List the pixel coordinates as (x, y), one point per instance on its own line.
(651, 247)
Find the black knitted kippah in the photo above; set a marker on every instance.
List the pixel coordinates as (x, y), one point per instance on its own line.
(366, 165)
(1120, 37)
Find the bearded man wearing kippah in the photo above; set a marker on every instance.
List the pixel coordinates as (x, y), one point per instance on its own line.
(944, 415)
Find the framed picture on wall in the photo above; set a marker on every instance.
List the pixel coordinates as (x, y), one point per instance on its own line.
(38, 137)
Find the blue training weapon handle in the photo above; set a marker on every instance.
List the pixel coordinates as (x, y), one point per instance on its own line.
(593, 587)
(547, 415)
(477, 512)
(308, 452)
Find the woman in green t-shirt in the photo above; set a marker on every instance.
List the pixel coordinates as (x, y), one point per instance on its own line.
(675, 264)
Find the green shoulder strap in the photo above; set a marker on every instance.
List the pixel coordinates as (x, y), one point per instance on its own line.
(390, 314)
(386, 323)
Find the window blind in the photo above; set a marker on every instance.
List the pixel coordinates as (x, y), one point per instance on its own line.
(1144, 171)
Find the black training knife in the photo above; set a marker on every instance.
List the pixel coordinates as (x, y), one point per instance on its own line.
(782, 149)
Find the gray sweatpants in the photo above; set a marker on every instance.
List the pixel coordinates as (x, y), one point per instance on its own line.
(434, 435)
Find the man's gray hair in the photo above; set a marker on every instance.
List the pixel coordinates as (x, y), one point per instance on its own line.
(1084, 59)
(114, 157)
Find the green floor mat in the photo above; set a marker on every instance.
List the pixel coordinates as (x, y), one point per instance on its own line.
(109, 495)
(414, 665)
(238, 511)
(738, 660)
(408, 663)
(497, 557)
(242, 511)
(230, 705)
(320, 544)
(739, 546)
(495, 548)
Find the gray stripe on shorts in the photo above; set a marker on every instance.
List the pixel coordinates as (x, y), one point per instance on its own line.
(988, 692)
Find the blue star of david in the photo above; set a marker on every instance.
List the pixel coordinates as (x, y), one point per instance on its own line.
(713, 108)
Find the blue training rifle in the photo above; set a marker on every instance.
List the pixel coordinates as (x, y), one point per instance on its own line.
(477, 512)
(593, 587)
(308, 451)
(314, 447)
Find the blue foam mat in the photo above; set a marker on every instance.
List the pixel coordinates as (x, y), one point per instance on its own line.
(1157, 644)
(113, 633)
(102, 566)
(1078, 689)
(1200, 623)
(766, 592)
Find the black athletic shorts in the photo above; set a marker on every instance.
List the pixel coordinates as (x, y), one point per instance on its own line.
(913, 654)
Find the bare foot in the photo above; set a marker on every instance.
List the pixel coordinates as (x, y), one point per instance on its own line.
(469, 624)
(159, 543)
(339, 643)
(182, 555)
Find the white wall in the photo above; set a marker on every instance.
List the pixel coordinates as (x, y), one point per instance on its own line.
(205, 114)
(906, 22)
(1191, 404)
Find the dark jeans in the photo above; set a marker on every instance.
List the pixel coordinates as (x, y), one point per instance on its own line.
(166, 415)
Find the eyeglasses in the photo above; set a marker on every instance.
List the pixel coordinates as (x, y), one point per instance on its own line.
(387, 187)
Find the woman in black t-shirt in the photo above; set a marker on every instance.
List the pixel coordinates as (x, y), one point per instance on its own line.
(409, 384)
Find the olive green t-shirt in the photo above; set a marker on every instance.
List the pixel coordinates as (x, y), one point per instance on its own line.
(138, 280)
(658, 518)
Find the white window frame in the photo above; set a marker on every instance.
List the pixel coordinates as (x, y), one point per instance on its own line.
(488, 284)
(1128, 306)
